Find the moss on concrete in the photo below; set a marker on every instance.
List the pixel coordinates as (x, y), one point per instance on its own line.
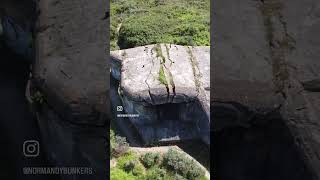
(162, 76)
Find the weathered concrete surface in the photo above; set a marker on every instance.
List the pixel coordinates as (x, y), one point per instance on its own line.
(302, 108)
(70, 145)
(266, 62)
(71, 74)
(243, 70)
(140, 74)
(168, 86)
(71, 68)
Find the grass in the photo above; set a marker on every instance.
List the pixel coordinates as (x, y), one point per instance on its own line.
(144, 22)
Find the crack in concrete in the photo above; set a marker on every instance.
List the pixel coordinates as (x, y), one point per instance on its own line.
(146, 80)
(166, 71)
(163, 69)
(171, 81)
(272, 12)
(168, 54)
(195, 70)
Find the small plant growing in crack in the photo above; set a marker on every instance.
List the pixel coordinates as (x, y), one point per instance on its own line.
(38, 98)
(159, 54)
(162, 76)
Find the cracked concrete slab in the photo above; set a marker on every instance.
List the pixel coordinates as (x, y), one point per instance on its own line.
(165, 85)
(266, 57)
(242, 73)
(71, 74)
(140, 73)
(71, 68)
(303, 97)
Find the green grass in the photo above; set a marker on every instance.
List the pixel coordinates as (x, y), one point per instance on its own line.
(144, 22)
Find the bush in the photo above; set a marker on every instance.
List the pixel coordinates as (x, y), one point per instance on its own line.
(118, 145)
(156, 173)
(178, 177)
(138, 170)
(181, 164)
(118, 174)
(150, 159)
(126, 159)
(129, 165)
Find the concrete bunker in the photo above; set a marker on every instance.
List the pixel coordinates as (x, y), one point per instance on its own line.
(164, 112)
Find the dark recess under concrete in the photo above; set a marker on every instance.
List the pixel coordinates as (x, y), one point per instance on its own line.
(264, 149)
(17, 123)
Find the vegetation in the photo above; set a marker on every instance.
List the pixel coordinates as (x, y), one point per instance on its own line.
(118, 174)
(150, 159)
(38, 98)
(182, 165)
(173, 165)
(118, 145)
(141, 22)
(162, 76)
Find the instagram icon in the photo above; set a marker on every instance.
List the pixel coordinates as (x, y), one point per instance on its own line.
(31, 148)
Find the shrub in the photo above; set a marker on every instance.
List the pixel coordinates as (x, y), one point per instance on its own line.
(159, 2)
(150, 159)
(181, 164)
(138, 170)
(119, 145)
(129, 165)
(124, 161)
(178, 177)
(118, 174)
(155, 173)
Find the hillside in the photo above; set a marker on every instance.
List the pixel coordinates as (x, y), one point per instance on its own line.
(142, 22)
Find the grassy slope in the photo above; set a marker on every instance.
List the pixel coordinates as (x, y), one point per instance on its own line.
(142, 22)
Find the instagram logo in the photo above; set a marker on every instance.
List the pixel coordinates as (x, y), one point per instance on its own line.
(31, 148)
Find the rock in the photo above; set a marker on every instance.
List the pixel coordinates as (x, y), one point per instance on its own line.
(116, 66)
(71, 75)
(302, 108)
(70, 67)
(141, 70)
(242, 64)
(70, 145)
(164, 85)
(266, 61)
